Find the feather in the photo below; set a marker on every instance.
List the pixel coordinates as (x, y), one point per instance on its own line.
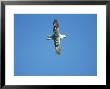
(58, 49)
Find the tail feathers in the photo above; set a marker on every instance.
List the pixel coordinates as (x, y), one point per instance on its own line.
(58, 50)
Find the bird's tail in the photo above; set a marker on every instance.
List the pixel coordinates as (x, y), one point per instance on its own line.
(58, 50)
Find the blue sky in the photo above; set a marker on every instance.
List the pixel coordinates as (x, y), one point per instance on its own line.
(36, 56)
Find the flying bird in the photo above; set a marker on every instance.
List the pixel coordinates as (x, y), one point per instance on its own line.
(56, 36)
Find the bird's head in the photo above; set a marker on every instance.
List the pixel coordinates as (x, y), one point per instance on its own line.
(55, 23)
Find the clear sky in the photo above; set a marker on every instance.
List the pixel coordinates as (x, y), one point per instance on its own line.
(36, 56)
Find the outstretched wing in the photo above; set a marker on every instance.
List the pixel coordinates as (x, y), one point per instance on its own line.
(57, 45)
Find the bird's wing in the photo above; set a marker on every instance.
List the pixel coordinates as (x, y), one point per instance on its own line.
(57, 45)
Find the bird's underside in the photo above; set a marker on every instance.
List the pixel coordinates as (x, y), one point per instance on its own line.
(57, 45)
(56, 37)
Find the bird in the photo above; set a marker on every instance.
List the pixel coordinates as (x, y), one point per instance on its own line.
(56, 36)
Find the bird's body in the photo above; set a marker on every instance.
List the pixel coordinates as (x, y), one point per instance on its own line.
(56, 37)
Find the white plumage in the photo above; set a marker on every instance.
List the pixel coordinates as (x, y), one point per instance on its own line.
(62, 36)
